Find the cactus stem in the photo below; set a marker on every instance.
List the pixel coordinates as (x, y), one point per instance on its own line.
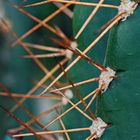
(89, 19)
(76, 84)
(51, 55)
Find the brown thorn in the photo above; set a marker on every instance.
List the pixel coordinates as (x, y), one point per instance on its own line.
(99, 66)
(37, 20)
(76, 90)
(40, 24)
(21, 122)
(19, 105)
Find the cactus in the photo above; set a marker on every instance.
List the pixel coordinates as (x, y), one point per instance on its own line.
(113, 106)
(103, 58)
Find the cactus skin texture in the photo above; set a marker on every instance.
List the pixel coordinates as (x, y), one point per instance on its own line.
(119, 105)
(84, 70)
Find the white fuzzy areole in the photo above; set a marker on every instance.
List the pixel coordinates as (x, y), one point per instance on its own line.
(98, 127)
(60, 138)
(69, 94)
(69, 53)
(105, 79)
(127, 6)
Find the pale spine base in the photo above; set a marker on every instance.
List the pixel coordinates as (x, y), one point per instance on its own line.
(69, 53)
(128, 7)
(98, 127)
(68, 95)
(105, 79)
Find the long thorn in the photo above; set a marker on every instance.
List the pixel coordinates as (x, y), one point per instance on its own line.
(45, 48)
(37, 20)
(30, 96)
(73, 2)
(89, 19)
(77, 91)
(51, 55)
(53, 132)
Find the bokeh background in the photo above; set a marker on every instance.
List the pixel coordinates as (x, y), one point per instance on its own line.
(16, 73)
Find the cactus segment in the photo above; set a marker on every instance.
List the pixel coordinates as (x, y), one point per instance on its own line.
(119, 106)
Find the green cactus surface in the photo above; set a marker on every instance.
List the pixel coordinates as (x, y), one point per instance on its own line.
(119, 105)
